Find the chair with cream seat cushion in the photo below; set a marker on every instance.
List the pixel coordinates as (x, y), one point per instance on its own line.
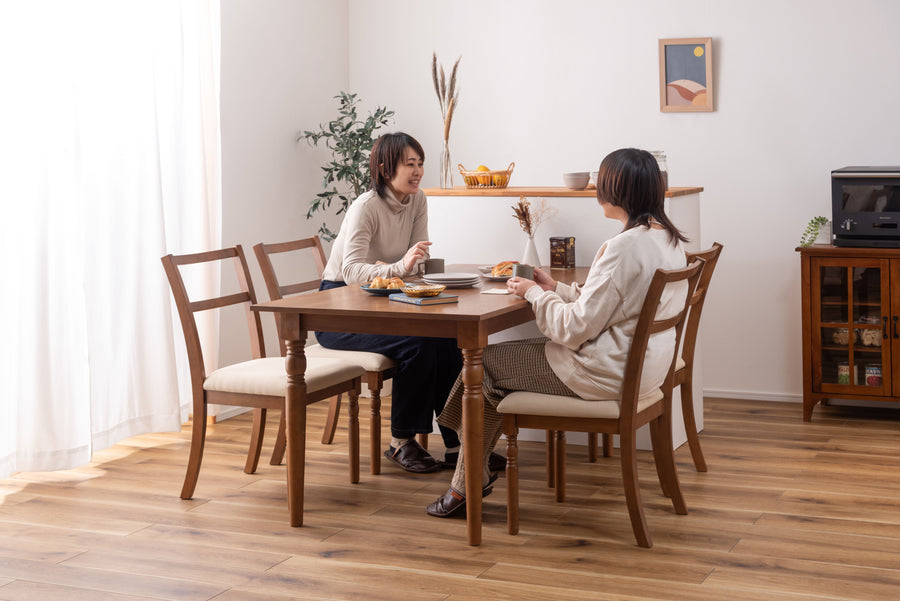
(684, 365)
(378, 368)
(619, 416)
(260, 382)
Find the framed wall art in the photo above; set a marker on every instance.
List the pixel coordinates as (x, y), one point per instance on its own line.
(685, 75)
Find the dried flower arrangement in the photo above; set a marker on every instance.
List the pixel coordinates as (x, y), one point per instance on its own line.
(448, 97)
(531, 218)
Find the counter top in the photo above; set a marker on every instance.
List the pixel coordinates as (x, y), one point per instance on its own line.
(546, 191)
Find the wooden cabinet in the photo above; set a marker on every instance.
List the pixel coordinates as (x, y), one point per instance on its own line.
(851, 334)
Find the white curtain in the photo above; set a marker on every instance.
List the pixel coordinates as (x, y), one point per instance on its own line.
(109, 159)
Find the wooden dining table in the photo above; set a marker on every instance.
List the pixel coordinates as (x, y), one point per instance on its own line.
(351, 309)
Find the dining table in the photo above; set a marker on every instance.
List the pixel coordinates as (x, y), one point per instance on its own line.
(470, 321)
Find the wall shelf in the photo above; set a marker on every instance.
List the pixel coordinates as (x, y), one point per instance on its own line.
(545, 191)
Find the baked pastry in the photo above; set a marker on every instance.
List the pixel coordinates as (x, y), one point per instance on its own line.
(391, 283)
(503, 268)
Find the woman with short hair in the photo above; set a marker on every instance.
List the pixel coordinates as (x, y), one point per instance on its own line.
(385, 234)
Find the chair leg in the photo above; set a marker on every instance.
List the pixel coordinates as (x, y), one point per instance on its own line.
(664, 458)
(628, 453)
(375, 428)
(334, 413)
(560, 468)
(280, 443)
(256, 440)
(607, 445)
(592, 447)
(657, 445)
(198, 440)
(423, 440)
(551, 458)
(512, 474)
(353, 435)
(690, 425)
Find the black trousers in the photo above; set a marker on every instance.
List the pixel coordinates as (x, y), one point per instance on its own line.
(425, 373)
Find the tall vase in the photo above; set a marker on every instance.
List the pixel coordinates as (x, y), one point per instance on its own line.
(446, 172)
(531, 254)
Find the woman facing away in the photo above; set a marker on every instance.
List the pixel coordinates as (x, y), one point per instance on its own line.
(587, 329)
(385, 233)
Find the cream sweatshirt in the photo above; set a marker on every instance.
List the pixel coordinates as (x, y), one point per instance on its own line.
(590, 327)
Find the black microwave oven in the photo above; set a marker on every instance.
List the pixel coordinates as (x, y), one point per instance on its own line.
(865, 206)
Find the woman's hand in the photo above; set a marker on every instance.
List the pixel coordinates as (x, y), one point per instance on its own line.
(544, 281)
(415, 254)
(519, 286)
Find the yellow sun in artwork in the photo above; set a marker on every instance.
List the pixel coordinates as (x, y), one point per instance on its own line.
(698, 51)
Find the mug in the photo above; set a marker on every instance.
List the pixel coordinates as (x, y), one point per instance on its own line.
(521, 270)
(433, 265)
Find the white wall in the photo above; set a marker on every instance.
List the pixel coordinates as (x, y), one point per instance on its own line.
(802, 87)
(282, 62)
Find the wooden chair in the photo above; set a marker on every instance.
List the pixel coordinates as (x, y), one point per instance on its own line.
(620, 416)
(378, 368)
(259, 382)
(684, 366)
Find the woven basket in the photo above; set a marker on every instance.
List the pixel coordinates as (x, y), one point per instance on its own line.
(487, 179)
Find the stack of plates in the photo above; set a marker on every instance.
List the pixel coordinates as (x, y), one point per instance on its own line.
(453, 280)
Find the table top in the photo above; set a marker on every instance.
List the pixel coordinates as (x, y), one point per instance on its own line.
(471, 320)
(352, 300)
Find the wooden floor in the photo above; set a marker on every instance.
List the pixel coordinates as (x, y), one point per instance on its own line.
(788, 511)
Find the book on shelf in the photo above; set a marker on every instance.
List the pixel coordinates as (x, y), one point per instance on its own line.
(425, 300)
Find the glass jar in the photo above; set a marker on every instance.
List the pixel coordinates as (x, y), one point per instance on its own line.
(660, 157)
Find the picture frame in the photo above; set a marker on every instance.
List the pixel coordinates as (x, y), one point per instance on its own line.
(685, 75)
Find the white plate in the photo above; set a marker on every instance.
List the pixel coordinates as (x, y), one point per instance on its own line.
(452, 277)
(453, 280)
(496, 278)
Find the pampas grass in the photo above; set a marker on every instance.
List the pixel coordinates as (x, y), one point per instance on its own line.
(448, 97)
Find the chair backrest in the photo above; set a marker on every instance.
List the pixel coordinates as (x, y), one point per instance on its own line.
(710, 258)
(648, 324)
(187, 308)
(278, 289)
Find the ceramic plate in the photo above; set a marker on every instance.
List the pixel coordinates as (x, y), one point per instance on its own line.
(381, 291)
(486, 274)
(453, 280)
(440, 278)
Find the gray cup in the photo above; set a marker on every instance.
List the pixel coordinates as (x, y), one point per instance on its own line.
(521, 270)
(433, 265)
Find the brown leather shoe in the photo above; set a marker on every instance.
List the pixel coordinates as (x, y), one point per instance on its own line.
(413, 458)
(452, 502)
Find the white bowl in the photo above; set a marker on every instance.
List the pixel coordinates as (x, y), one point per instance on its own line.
(577, 180)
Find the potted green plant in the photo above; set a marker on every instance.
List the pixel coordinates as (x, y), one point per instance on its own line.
(817, 226)
(350, 141)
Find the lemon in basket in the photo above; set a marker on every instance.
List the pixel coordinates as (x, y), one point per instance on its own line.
(484, 180)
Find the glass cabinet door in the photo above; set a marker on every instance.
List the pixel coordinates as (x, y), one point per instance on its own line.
(849, 318)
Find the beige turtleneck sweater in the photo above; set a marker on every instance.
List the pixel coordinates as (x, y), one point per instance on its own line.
(377, 228)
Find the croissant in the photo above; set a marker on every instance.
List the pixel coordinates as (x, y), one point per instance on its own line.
(379, 282)
(503, 268)
(395, 283)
